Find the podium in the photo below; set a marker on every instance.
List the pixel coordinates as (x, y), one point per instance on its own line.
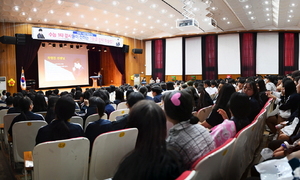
(95, 79)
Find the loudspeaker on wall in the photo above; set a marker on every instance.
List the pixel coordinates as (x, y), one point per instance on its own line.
(137, 51)
(8, 40)
(125, 48)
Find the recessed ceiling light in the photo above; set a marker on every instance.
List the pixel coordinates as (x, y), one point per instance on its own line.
(105, 12)
(45, 20)
(165, 24)
(144, 24)
(213, 8)
(293, 5)
(115, 3)
(91, 8)
(157, 21)
(291, 16)
(249, 12)
(243, 0)
(106, 21)
(172, 27)
(267, 14)
(139, 13)
(266, 2)
(171, 15)
(206, 19)
(224, 18)
(74, 23)
(117, 31)
(149, 17)
(82, 16)
(288, 20)
(23, 13)
(133, 32)
(97, 27)
(95, 19)
(142, 31)
(142, 1)
(196, 9)
(267, 9)
(107, 29)
(252, 17)
(117, 24)
(151, 27)
(51, 11)
(117, 15)
(129, 8)
(163, 11)
(153, 6)
(16, 8)
(247, 6)
(59, 2)
(134, 29)
(86, 25)
(136, 22)
(76, 4)
(127, 19)
(126, 27)
(34, 9)
(125, 33)
(68, 14)
(228, 22)
(29, 19)
(291, 11)
(60, 21)
(268, 19)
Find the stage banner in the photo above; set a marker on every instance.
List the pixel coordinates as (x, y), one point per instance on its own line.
(75, 36)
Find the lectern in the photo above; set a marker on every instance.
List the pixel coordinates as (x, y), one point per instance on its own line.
(95, 79)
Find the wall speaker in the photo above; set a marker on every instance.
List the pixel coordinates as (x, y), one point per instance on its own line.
(8, 40)
(21, 39)
(137, 51)
(125, 48)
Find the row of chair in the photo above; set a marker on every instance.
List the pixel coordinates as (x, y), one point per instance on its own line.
(230, 160)
(69, 159)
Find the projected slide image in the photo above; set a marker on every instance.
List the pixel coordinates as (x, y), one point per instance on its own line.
(62, 67)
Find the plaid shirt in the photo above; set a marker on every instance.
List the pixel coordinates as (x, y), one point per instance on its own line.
(191, 141)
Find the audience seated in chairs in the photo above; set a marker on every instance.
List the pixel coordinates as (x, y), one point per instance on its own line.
(204, 99)
(104, 95)
(60, 128)
(26, 106)
(251, 90)
(39, 103)
(121, 122)
(119, 97)
(188, 138)
(151, 159)
(215, 117)
(144, 91)
(100, 126)
(8, 102)
(15, 108)
(156, 92)
(50, 115)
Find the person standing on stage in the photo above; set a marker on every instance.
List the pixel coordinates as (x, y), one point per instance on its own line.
(157, 80)
(100, 78)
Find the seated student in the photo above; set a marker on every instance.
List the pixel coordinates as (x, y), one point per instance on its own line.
(60, 128)
(156, 92)
(26, 106)
(50, 115)
(103, 94)
(15, 108)
(144, 91)
(133, 98)
(39, 103)
(251, 90)
(204, 98)
(92, 108)
(100, 126)
(215, 117)
(262, 91)
(188, 138)
(239, 106)
(8, 102)
(151, 158)
(119, 96)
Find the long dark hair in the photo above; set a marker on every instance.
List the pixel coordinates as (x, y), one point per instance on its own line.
(224, 96)
(24, 104)
(289, 87)
(64, 110)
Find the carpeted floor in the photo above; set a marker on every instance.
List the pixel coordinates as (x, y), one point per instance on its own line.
(5, 170)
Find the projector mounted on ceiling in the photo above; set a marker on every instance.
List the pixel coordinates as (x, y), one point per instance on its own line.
(187, 24)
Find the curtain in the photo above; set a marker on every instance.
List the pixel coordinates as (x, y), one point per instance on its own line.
(26, 57)
(119, 59)
(94, 63)
(158, 59)
(288, 52)
(209, 57)
(248, 54)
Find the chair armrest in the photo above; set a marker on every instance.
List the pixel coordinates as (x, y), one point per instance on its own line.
(28, 161)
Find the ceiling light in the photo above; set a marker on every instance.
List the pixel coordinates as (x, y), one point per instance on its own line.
(82, 16)
(97, 27)
(247, 6)
(165, 24)
(149, 17)
(134, 29)
(23, 13)
(139, 13)
(267, 9)
(142, 31)
(127, 19)
(266, 2)
(60, 21)
(151, 27)
(267, 14)
(206, 19)
(133, 32)
(126, 27)
(128, 8)
(86, 25)
(214, 8)
(76, 4)
(142, 1)
(125, 33)
(268, 19)
(291, 11)
(51, 11)
(74, 23)
(224, 18)
(16, 8)
(195, 9)
(136, 22)
(115, 3)
(252, 17)
(45, 20)
(106, 21)
(34, 10)
(157, 21)
(29, 19)
(163, 11)
(117, 31)
(59, 2)
(171, 15)
(91, 8)
(68, 14)
(117, 15)
(172, 27)
(153, 6)
(107, 29)
(117, 24)
(291, 16)
(144, 24)
(243, 0)
(228, 22)
(288, 20)
(95, 19)
(250, 12)
(293, 5)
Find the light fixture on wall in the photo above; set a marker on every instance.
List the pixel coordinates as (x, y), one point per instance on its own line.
(77, 46)
(53, 45)
(104, 50)
(71, 46)
(60, 45)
